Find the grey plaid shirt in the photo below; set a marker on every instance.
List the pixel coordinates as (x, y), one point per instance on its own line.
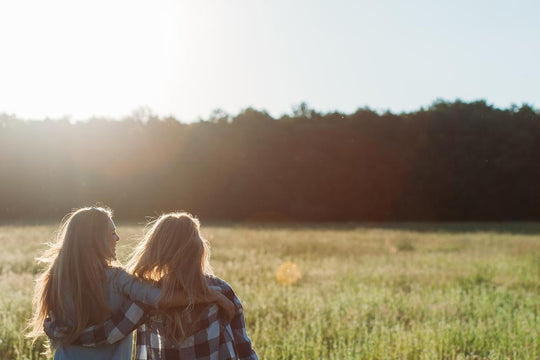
(127, 318)
(211, 337)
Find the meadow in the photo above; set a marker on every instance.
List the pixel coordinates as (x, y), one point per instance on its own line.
(367, 291)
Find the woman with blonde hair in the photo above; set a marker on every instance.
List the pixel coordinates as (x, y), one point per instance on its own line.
(81, 286)
(175, 256)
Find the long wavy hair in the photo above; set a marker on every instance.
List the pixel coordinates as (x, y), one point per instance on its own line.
(174, 255)
(72, 287)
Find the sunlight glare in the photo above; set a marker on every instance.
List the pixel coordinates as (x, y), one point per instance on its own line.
(100, 56)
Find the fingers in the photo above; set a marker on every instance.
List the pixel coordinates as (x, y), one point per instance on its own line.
(226, 305)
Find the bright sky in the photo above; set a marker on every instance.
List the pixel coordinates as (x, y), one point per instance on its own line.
(186, 58)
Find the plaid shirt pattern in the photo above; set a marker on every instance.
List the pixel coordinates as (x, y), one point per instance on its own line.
(210, 338)
(127, 318)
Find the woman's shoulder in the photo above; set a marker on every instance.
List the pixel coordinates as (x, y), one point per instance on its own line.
(112, 271)
(117, 274)
(121, 281)
(222, 286)
(216, 282)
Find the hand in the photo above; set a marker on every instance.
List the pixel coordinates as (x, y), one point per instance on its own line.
(224, 303)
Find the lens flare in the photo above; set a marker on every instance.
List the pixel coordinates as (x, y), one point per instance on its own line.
(288, 273)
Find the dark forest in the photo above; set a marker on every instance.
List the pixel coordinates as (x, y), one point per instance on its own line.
(454, 161)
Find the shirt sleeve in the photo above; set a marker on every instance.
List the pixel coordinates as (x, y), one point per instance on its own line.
(242, 342)
(122, 323)
(134, 288)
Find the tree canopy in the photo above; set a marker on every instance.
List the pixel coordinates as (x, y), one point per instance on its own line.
(453, 161)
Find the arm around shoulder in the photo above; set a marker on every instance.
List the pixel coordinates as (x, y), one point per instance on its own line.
(134, 288)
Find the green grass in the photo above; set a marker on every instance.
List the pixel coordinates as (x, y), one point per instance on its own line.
(415, 291)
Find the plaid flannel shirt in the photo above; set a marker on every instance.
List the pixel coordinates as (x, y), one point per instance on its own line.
(127, 318)
(211, 338)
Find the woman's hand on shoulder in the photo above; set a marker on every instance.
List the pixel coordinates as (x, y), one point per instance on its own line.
(223, 302)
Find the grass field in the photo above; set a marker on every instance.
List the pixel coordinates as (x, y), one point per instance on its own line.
(367, 291)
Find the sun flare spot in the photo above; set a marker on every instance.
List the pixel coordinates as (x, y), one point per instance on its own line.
(288, 273)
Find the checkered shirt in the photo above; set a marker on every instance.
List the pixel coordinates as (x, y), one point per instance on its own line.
(211, 337)
(127, 318)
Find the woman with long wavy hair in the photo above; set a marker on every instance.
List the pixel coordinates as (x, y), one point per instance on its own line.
(83, 284)
(174, 256)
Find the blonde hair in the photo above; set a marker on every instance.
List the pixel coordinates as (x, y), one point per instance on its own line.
(72, 287)
(174, 255)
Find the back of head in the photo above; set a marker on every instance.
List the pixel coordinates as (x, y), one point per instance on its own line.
(72, 287)
(84, 235)
(174, 254)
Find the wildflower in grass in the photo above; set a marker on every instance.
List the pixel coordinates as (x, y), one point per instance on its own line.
(288, 273)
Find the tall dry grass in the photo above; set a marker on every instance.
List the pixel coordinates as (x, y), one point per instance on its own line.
(367, 291)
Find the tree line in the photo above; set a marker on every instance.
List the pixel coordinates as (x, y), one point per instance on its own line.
(454, 161)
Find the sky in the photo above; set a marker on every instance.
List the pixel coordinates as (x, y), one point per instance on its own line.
(65, 58)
